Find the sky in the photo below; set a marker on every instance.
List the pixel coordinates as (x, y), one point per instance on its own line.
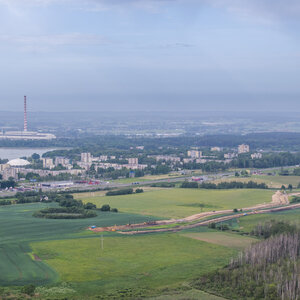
(150, 55)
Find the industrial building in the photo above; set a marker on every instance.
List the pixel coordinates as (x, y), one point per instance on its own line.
(25, 134)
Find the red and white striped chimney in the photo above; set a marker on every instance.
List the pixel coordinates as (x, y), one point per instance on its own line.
(25, 113)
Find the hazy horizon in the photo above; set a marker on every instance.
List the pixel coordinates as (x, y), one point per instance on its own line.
(150, 55)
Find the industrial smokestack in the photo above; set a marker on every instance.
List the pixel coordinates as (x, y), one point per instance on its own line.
(25, 113)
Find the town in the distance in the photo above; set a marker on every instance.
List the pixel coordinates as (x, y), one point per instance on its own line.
(179, 207)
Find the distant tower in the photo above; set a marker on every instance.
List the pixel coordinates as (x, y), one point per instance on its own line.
(25, 114)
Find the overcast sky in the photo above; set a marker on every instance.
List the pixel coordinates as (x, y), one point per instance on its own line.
(95, 55)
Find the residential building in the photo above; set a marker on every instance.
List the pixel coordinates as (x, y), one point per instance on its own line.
(166, 158)
(103, 158)
(188, 160)
(194, 154)
(230, 155)
(133, 161)
(4, 167)
(215, 149)
(62, 161)
(256, 156)
(10, 172)
(86, 157)
(243, 149)
(48, 163)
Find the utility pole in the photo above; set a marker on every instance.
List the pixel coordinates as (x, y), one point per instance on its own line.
(102, 242)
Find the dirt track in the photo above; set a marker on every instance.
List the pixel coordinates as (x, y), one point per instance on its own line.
(215, 220)
(257, 209)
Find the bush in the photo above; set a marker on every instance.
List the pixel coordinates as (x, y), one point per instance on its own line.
(189, 185)
(28, 289)
(138, 191)
(223, 227)
(163, 184)
(5, 202)
(295, 199)
(233, 185)
(105, 207)
(212, 225)
(120, 192)
(65, 213)
(90, 206)
(115, 210)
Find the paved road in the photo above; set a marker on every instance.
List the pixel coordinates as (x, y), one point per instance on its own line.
(112, 184)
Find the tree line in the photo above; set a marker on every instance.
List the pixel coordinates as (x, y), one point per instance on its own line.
(224, 185)
(266, 270)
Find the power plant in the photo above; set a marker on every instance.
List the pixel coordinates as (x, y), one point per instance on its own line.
(25, 114)
(25, 134)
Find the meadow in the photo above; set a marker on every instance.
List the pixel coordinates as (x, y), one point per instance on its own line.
(67, 261)
(146, 262)
(222, 238)
(179, 203)
(275, 181)
(246, 224)
(18, 228)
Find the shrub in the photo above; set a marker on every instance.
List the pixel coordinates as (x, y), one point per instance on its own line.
(105, 207)
(115, 210)
(163, 184)
(65, 213)
(212, 225)
(138, 191)
(90, 205)
(120, 192)
(295, 199)
(28, 289)
(189, 185)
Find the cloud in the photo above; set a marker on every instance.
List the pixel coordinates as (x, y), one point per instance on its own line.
(268, 10)
(261, 10)
(44, 43)
(95, 5)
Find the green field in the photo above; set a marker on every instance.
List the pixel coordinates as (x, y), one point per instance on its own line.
(189, 295)
(18, 228)
(247, 223)
(272, 181)
(222, 238)
(152, 261)
(69, 262)
(178, 203)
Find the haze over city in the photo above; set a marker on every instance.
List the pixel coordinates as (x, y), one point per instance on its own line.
(132, 55)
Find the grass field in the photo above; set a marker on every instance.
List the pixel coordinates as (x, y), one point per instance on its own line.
(148, 178)
(149, 261)
(246, 224)
(178, 203)
(223, 238)
(188, 295)
(69, 258)
(18, 228)
(272, 181)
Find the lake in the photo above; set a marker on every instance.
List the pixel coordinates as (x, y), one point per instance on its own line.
(12, 153)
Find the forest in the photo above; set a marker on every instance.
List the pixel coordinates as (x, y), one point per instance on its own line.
(269, 269)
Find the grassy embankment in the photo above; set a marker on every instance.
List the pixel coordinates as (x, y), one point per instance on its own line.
(178, 203)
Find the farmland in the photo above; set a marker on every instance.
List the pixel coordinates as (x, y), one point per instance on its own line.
(179, 203)
(18, 228)
(66, 260)
(275, 181)
(248, 223)
(153, 261)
